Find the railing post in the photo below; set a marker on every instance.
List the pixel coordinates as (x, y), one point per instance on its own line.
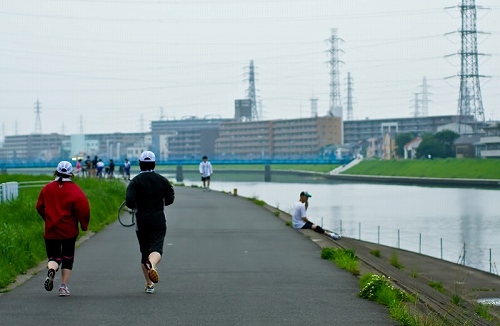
(267, 173)
(378, 234)
(179, 176)
(399, 241)
(490, 260)
(420, 243)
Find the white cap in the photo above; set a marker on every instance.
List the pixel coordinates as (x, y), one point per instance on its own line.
(64, 167)
(147, 156)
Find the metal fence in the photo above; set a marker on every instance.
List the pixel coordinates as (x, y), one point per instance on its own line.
(433, 247)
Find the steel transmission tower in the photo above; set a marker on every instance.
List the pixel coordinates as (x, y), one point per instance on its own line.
(349, 97)
(314, 106)
(335, 99)
(470, 101)
(38, 122)
(251, 93)
(425, 98)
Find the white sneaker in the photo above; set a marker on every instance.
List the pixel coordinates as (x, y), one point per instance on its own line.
(150, 289)
(335, 236)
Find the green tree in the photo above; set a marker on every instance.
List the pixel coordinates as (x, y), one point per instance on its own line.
(401, 141)
(446, 138)
(430, 146)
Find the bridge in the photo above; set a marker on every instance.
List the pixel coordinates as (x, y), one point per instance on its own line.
(180, 162)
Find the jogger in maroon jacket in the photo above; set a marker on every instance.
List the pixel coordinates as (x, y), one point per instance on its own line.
(62, 205)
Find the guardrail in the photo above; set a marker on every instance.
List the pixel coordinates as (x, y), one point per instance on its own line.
(10, 190)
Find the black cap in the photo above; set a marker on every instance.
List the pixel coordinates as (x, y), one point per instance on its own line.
(305, 193)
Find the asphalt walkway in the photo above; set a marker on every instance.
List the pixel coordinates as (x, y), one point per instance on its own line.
(227, 261)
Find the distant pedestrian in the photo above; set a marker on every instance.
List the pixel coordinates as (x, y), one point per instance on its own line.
(300, 220)
(99, 168)
(206, 171)
(78, 169)
(87, 167)
(126, 169)
(94, 166)
(62, 205)
(148, 193)
(111, 171)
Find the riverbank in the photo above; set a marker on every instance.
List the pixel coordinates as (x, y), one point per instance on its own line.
(453, 291)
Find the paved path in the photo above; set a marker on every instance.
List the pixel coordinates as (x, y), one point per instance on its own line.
(227, 262)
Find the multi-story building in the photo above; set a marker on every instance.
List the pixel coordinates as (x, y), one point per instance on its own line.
(32, 147)
(114, 146)
(489, 144)
(359, 130)
(245, 139)
(278, 138)
(190, 137)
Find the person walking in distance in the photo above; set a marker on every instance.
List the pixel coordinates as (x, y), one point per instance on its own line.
(148, 193)
(62, 205)
(300, 220)
(126, 168)
(206, 171)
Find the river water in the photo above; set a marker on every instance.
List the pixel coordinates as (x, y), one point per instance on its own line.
(455, 224)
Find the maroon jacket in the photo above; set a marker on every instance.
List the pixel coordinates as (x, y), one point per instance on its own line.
(62, 205)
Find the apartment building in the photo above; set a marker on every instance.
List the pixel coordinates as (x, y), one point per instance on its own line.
(489, 144)
(359, 130)
(33, 147)
(278, 138)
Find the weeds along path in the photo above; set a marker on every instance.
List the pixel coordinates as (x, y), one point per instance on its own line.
(432, 299)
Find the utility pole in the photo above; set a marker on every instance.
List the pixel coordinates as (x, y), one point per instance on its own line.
(38, 123)
(470, 101)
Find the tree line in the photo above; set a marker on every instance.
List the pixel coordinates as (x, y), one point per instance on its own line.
(438, 145)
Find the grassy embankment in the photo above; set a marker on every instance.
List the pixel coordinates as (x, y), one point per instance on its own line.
(21, 228)
(439, 168)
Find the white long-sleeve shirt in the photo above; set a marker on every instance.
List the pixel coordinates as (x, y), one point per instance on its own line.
(205, 169)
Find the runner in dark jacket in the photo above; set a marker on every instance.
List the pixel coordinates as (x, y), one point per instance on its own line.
(148, 193)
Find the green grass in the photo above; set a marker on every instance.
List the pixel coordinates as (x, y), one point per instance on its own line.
(439, 168)
(483, 311)
(395, 261)
(21, 228)
(437, 285)
(343, 258)
(257, 201)
(375, 252)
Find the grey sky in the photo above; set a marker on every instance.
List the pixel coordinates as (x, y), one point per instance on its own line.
(113, 61)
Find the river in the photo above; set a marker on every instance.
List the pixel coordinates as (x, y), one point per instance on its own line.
(455, 224)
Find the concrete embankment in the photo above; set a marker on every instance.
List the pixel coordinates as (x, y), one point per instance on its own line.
(442, 182)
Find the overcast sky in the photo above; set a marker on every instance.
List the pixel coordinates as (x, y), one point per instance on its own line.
(111, 65)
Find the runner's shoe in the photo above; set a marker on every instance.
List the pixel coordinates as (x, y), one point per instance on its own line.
(335, 236)
(152, 272)
(63, 291)
(49, 280)
(150, 289)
